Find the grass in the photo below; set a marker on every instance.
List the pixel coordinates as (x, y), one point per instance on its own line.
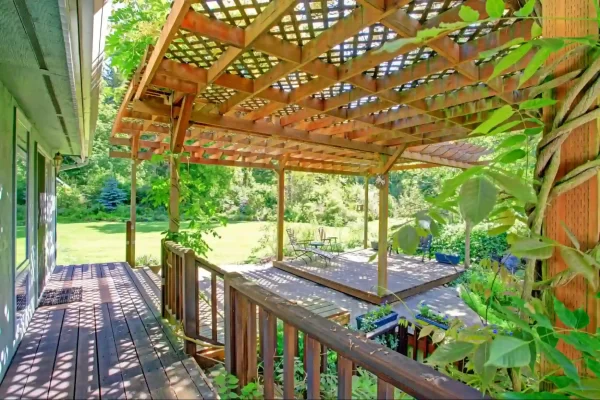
(80, 243)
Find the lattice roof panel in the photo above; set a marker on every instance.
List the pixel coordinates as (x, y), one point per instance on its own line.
(334, 82)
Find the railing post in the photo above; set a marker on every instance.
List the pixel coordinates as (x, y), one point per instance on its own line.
(230, 327)
(163, 274)
(128, 242)
(190, 300)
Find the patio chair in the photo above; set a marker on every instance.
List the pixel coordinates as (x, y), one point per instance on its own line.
(425, 246)
(303, 248)
(328, 241)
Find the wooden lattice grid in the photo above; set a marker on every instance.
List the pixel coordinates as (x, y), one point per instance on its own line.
(352, 90)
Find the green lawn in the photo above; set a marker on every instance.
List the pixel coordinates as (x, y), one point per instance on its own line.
(105, 241)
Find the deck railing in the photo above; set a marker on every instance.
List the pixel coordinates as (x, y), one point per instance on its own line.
(251, 315)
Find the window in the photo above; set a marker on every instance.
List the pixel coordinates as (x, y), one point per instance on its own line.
(21, 214)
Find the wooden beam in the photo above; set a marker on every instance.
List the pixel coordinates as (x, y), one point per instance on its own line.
(174, 192)
(280, 211)
(182, 124)
(132, 211)
(176, 16)
(392, 160)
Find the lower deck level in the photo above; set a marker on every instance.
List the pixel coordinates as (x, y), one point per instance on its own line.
(104, 339)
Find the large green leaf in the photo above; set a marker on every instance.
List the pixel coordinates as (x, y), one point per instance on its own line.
(498, 117)
(577, 319)
(505, 127)
(587, 388)
(513, 185)
(451, 352)
(452, 184)
(511, 141)
(476, 199)
(536, 103)
(511, 156)
(532, 396)
(558, 358)
(581, 265)
(509, 352)
(526, 9)
(494, 8)
(593, 365)
(535, 64)
(532, 248)
(571, 235)
(510, 59)
(467, 14)
(486, 373)
(408, 239)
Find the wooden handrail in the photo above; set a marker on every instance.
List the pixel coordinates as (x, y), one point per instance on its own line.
(412, 377)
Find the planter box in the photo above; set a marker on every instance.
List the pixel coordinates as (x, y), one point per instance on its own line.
(447, 258)
(374, 245)
(431, 322)
(393, 316)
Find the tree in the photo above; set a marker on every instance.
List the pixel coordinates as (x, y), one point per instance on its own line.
(111, 195)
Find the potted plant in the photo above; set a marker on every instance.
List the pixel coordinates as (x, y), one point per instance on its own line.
(431, 317)
(446, 257)
(375, 318)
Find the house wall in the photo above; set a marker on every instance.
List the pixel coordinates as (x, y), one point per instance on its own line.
(12, 326)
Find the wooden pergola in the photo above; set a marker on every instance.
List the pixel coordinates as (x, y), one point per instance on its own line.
(318, 86)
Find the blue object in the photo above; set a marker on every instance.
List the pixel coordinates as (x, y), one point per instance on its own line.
(447, 258)
(393, 316)
(431, 322)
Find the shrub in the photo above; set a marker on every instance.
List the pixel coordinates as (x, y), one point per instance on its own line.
(452, 240)
(111, 196)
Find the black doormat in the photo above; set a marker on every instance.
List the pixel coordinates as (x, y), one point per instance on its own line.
(54, 297)
(21, 302)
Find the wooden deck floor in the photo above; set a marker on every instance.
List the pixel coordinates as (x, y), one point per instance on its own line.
(109, 345)
(353, 274)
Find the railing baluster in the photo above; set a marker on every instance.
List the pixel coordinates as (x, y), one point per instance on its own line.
(289, 332)
(384, 390)
(190, 300)
(230, 328)
(402, 336)
(344, 378)
(163, 279)
(213, 304)
(415, 340)
(313, 371)
(268, 340)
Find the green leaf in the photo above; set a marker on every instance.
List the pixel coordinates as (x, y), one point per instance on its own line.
(467, 14)
(476, 199)
(593, 365)
(558, 358)
(536, 30)
(547, 335)
(511, 141)
(560, 381)
(507, 45)
(514, 185)
(504, 127)
(450, 352)
(498, 230)
(532, 248)
(536, 103)
(430, 33)
(509, 352)
(533, 131)
(577, 319)
(579, 264)
(511, 156)
(494, 8)
(510, 59)
(426, 331)
(532, 396)
(526, 9)
(535, 64)
(408, 239)
(571, 236)
(480, 357)
(587, 388)
(499, 116)
(554, 44)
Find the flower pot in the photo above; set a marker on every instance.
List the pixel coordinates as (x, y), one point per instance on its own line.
(374, 245)
(393, 316)
(431, 322)
(447, 258)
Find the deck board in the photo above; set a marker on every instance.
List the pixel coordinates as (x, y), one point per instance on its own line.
(111, 344)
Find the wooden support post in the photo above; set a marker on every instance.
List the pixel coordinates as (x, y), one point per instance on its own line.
(578, 208)
(174, 195)
(382, 278)
(366, 214)
(163, 281)
(132, 211)
(190, 300)
(128, 242)
(280, 212)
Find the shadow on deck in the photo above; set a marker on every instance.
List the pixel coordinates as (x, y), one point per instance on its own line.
(110, 344)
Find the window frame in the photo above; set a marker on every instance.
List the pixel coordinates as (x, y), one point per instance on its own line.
(21, 143)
